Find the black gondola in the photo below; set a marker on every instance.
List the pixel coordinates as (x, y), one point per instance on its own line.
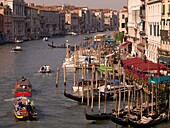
(102, 116)
(52, 46)
(79, 98)
(160, 119)
(120, 120)
(99, 116)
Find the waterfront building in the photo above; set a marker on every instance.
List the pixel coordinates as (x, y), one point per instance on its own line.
(164, 50)
(7, 22)
(115, 20)
(108, 22)
(32, 22)
(153, 19)
(72, 22)
(18, 17)
(134, 21)
(86, 20)
(49, 20)
(62, 25)
(100, 18)
(123, 16)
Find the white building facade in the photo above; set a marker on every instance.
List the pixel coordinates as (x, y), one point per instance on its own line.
(153, 20)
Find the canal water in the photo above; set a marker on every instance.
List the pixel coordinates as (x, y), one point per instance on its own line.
(54, 110)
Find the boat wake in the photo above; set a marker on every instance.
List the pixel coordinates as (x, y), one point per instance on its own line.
(10, 99)
(43, 74)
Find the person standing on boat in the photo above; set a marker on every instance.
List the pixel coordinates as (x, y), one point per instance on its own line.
(52, 43)
(29, 109)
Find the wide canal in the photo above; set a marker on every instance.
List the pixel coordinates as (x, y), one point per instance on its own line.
(54, 110)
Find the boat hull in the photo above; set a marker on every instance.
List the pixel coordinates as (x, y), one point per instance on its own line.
(102, 116)
(120, 121)
(24, 118)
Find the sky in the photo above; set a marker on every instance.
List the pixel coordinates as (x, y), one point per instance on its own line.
(112, 4)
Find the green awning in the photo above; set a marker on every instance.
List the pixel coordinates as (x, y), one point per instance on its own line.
(165, 60)
(102, 68)
(161, 79)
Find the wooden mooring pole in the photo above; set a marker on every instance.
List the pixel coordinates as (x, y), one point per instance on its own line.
(57, 76)
(64, 78)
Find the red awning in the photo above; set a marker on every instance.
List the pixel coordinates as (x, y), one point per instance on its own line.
(139, 64)
(124, 45)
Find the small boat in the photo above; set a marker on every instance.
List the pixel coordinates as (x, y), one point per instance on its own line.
(99, 116)
(120, 120)
(45, 69)
(18, 41)
(17, 48)
(68, 63)
(79, 98)
(71, 33)
(79, 87)
(62, 46)
(52, 46)
(146, 122)
(23, 87)
(24, 109)
(45, 39)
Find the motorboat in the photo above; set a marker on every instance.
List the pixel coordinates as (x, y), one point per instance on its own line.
(17, 48)
(87, 85)
(68, 63)
(18, 41)
(23, 87)
(45, 39)
(71, 33)
(45, 69)
(24, 109)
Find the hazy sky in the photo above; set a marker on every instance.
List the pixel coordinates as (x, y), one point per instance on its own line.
(113, 4)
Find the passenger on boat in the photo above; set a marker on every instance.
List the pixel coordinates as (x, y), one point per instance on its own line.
(20, 105)
(23, 78)
(45, 67)
(42, 68)
(29, 109)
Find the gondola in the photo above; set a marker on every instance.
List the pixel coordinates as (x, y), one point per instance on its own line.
(100, 116)
(119, 120)
(61, 46)
(150, 123)
(79, 98)
(52, 46)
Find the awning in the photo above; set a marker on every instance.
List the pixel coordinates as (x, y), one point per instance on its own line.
(165, 60)
(124, 45)
(161, 79)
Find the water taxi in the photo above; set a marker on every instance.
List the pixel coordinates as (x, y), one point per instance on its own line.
(17, 48)
(24, 109)
(23, 87)
(45, 39)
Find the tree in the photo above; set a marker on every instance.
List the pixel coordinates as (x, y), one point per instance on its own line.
(119, 36)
